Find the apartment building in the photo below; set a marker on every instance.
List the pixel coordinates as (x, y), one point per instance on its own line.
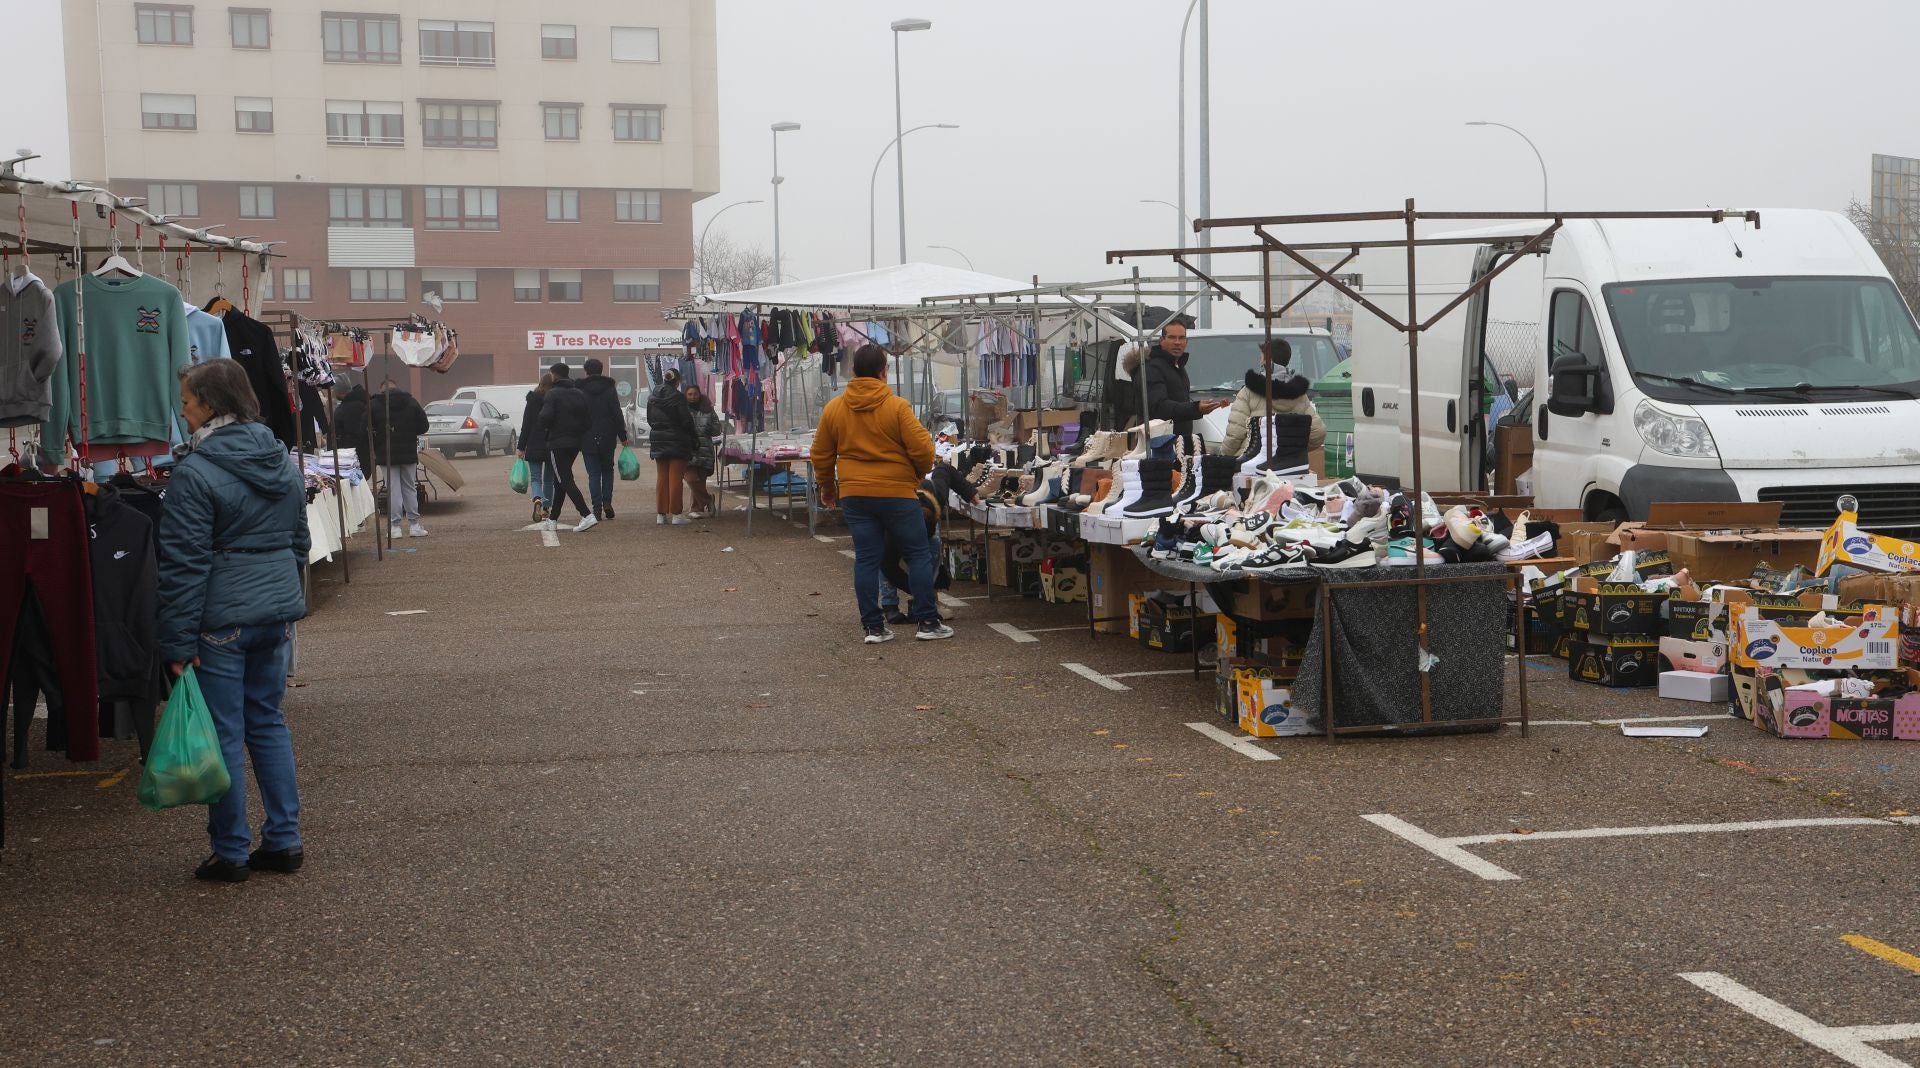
(533, 165)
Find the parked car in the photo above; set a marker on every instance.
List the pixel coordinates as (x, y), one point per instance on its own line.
(510, 399)
(636, 410)
(474, 426)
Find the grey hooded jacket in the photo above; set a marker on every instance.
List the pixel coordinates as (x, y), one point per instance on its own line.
(30, 349)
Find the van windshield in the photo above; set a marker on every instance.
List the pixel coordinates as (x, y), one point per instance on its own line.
(1773, 336)
(1221, 361)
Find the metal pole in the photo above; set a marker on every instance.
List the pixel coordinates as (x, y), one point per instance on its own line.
(1206, 161)
(1546, 201)
(1418, 503)
(1181, 153)
(900, 149)
(776, 207)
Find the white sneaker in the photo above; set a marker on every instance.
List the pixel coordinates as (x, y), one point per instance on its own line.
(394, 533)
(659, 519)
(417, 531)
(549, 524)
(680, 521)
(586, 523)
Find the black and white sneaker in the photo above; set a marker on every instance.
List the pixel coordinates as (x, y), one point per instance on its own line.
(876, 635)
(932, 631)
(1345, 553)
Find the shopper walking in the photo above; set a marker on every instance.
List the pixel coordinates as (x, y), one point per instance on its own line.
(707, 431)
(607, 433)
(394, 428)
(671, 445)
(533, 449)
(567, 417)
(1169, 394)
(233, 538)
(869, 455)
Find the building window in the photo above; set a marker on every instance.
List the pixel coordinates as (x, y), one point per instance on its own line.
(256, 202)
(563, 287)
(168, 111)
(460, 124)
(360, 38)
(174, 200)
(636, 287)
(635, 122)
(526, 286)
(563, 205)
(165, 24)
(365, 122)
(562, 121)
(451, 283)
(379, 283)
(252, 27)
(636, 205)
(452, 207)
(253, 114)
(559, 42)
(456, 44)
(352, 205)
(636, 44)
(296, 283)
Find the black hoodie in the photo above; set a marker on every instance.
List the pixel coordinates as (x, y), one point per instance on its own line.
(609, 423)
(567, 415)
(1169, 395)
(395, 421)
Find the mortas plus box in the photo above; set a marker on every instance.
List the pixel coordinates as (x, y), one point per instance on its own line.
(1615, 660)
(1807, 714)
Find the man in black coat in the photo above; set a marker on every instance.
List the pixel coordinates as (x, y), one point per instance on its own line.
(350, 427)
(395, 423)
(567, 416)
(533, 449)
(1169, 394)
(608, 432)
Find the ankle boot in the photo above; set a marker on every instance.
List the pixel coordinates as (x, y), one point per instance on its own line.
(1155, 496)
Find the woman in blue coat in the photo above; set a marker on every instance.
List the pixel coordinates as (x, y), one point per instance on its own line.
(233, 538)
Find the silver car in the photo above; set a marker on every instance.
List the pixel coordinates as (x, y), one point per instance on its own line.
(474, 426)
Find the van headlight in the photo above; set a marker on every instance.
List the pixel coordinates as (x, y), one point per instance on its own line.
(1675, 435)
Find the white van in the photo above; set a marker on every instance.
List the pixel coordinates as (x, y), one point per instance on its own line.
(511, 400)
(1678, 360)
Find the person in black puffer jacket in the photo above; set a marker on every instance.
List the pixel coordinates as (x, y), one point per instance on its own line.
(1169, 394)
(350, 427)
(396, 422)
(672, 446)
(608, 432)
(533, 449)
(567, 417)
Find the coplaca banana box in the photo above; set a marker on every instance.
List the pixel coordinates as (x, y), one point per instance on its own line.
(1846, 543)
(1871, 645)
(1266, 706)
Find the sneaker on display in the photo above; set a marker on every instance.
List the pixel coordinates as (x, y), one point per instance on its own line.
(1345, 553)
(876, 635)
(1275, 558)
(933, 630)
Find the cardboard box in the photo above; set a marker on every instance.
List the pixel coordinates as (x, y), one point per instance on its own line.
(1872, 645)
(1114, 572)
(1257, 599)
(968, 562)
(1266, 706)
(1027, 422)
(1679, 654)
(1062, 585)
(1618, 660)
(1846, 543)
(1805, 714)
(1585, 542)
(1136, 604)
(1758, 691)
(1732, 555)
(1693, 686)
(1881, 589)
(1616, 608)
(1696, 620)
(1168, 628)
(1000, 561)
(1637, 537)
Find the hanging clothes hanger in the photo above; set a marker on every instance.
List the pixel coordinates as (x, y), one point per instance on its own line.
(219, 305)
(116, 262)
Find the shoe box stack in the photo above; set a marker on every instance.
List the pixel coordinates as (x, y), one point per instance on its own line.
(1063, 580)
(1256, 662)
(1612, 617)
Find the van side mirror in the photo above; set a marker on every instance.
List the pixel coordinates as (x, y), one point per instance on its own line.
(1573, 391)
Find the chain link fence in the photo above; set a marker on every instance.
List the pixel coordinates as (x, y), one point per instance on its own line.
(1512, 347)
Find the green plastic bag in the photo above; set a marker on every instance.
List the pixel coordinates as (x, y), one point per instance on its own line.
(629, 464)
(184, 766)
(519, 477)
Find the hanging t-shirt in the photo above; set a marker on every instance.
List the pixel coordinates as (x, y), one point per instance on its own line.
(135, 345)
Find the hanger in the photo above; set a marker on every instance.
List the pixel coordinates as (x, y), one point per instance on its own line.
(116, 262)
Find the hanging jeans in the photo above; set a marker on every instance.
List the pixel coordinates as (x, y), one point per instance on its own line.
(599, 479)
(669, 497)
(565, 488)
(243, 676)
(43, 546)
(403, 493)
(873, 522)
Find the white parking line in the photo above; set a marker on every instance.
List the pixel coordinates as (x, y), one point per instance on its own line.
(848, 553)
(1011, 632)
(410, 612)
(549, 538)
(1238, 743)
(1451, 851)
(1091, 675)
(1709, 716)
(823, 539)
(1847, 1043)
(1143, 674)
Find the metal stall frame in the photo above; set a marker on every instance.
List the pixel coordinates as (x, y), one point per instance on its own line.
(1413, 326)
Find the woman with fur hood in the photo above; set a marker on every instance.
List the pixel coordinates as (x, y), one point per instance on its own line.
(1289, 397)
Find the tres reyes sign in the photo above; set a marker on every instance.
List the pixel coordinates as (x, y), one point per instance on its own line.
(601, 340)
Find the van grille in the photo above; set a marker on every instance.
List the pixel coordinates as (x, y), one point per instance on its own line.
(1858, 409)
(1891, 508)
(1770, 413)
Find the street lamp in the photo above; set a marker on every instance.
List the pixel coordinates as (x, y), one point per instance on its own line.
(778, 129)
(872, 183)
(901, 26)
(704, 276)
(1545, 203)
(956, 252)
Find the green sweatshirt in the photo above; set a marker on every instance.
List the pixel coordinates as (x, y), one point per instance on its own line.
(135, 346)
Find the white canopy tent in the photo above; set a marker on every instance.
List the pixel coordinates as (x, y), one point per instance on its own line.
(900, 288)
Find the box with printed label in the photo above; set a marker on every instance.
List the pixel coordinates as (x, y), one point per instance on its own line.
(1872, 645)
(1846, 543)
(1168, 628)
(1696, 620)
(1617, 660)
(1616, 608)
(1266, 706)
(1678, 654)
(1807, 714)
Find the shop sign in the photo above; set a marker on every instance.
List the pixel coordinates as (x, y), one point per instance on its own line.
(600, 340)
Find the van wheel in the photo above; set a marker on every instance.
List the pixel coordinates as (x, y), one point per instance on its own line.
(1605, 508)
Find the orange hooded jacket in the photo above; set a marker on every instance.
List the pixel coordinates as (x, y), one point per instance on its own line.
(869, 444)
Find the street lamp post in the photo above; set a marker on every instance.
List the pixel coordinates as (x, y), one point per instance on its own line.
(901, 26)
(873, 182)
(1206, 144)
(778, 129)
(1545, 202)
(956, 252)
(706, 277)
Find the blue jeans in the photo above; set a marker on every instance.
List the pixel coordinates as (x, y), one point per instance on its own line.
(890, 597)
(599, 478)
(872, 521)
(243, 675)
(540, 482)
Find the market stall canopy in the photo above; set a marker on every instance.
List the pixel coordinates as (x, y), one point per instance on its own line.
(902, 287)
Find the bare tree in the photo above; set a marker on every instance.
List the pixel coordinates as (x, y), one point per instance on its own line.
(721, 266)
(1898, 243)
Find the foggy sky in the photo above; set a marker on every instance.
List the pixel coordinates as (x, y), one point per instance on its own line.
(1067, 114)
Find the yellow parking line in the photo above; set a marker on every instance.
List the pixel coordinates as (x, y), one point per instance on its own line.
(56, 774)
(113, 780)
(1883, 951)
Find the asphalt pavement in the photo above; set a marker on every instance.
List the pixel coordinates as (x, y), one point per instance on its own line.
(643, 797)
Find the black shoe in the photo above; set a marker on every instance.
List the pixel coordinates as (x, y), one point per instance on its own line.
(284, 861)
(215, 870)
(607, 508)
(933, 630)
(898, 617)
